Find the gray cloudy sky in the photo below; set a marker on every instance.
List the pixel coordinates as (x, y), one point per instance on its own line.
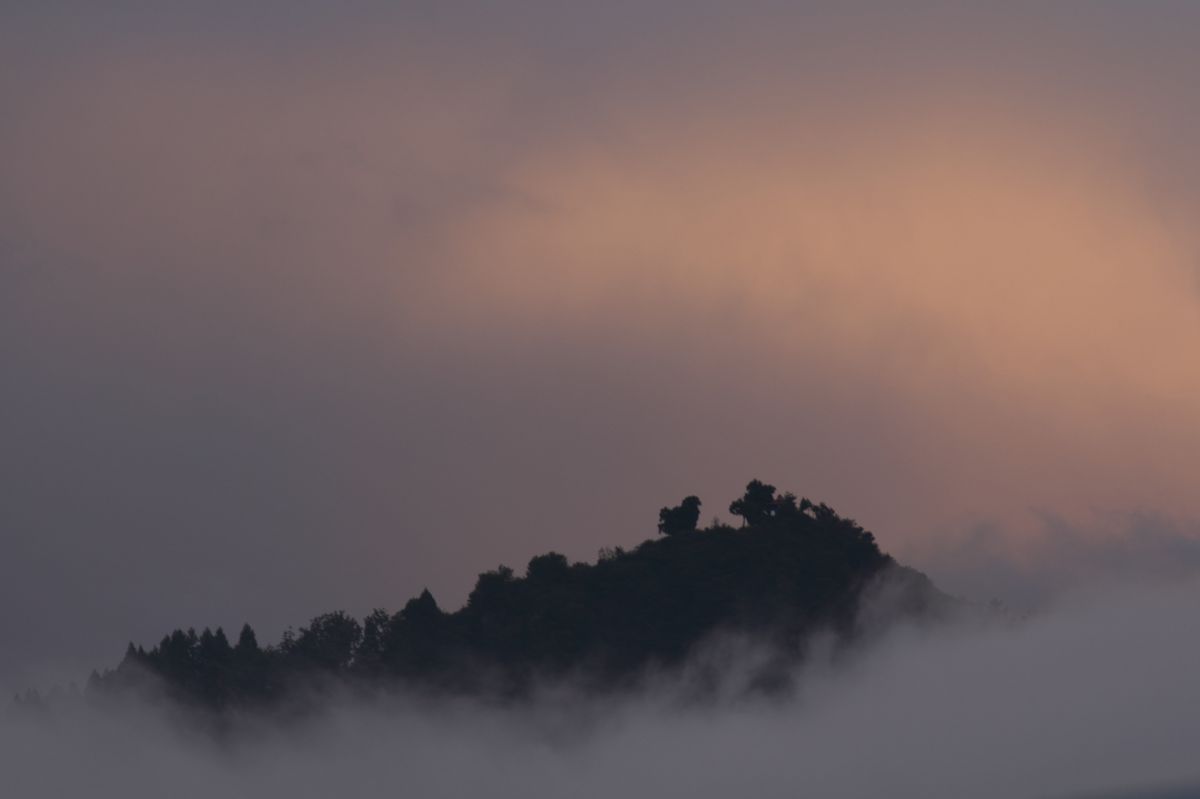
(306, 306)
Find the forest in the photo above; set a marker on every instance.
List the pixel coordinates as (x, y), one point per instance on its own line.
(791, 569)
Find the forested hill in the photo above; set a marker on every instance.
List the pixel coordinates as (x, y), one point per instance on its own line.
(791, 569)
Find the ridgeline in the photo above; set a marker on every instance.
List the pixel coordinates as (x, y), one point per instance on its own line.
(793, 569)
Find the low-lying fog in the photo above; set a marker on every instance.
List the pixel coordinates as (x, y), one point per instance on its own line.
(1099, 695)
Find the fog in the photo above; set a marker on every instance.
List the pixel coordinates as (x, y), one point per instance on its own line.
(1096, 696)
(1059, 556)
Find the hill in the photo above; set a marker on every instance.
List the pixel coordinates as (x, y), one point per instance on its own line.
(794, 568)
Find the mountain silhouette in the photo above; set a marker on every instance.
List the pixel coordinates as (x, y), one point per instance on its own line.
(793, 569)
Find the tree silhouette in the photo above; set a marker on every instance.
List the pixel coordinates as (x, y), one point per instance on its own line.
(247, 643)
(547, 568)
(369, 656)
(327, 642)
(416, 638)
(757, 505)
(682, 518)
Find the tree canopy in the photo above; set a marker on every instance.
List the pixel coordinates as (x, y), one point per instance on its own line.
(682, 518)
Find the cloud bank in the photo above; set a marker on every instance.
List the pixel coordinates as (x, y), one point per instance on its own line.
(1097, 697)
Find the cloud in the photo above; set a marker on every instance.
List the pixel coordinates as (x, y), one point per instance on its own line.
(1052, 556)
(1094, 697)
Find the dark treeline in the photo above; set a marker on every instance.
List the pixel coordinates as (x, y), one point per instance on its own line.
(792, 568)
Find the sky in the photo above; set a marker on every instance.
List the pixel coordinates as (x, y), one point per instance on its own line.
(308, 306)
